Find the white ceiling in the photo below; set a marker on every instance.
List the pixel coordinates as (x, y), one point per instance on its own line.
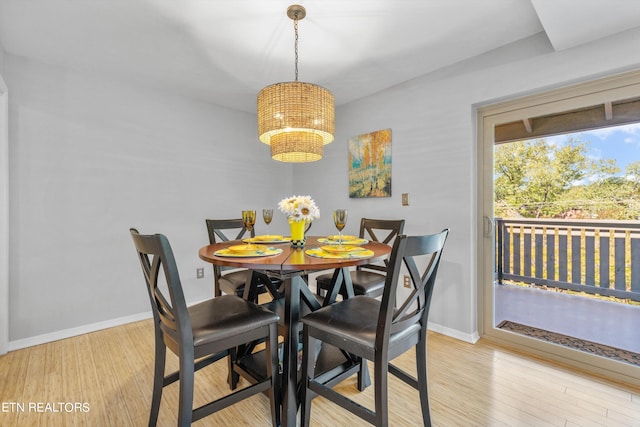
(225, 51)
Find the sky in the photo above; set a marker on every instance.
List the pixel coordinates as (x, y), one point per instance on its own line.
(621, 143)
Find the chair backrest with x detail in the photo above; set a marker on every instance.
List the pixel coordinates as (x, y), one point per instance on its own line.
(223, 230)
(412, 252)
(170, 311)
(218, 228)
(383, 231)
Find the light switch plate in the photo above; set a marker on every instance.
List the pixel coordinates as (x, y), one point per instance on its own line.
(405, 199)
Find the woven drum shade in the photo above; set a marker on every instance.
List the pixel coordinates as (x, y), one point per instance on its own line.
(296, 119)
(296, 147)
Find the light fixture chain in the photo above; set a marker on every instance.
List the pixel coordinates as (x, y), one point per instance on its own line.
(296, 119)
(295, 27)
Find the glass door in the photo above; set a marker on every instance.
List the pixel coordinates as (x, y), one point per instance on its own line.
(541, 248)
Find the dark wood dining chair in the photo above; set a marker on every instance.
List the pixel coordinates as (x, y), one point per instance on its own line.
(231, 280)
(368, 279)
(201, 334)
(375, 330)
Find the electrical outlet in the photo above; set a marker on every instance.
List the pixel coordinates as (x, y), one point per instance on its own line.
(199, 272)
(405, 199)
(407, 281)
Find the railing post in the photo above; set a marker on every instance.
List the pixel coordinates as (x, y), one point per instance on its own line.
(635, 262)
(605, 262)
(526, 252)
(620, 261)
(538, 247)
(590, 257)
(550, 240)
(576, 256)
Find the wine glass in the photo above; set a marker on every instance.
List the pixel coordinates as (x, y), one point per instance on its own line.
(267, 215)
(340, 220)
(249, 219)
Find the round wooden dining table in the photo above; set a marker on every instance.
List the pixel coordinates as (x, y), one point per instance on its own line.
(292, 265)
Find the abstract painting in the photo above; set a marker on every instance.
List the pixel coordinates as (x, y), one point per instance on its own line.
(370, 165)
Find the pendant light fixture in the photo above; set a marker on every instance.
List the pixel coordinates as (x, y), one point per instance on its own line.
(296, 119)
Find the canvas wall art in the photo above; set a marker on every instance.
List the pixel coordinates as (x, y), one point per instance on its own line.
(370, 165)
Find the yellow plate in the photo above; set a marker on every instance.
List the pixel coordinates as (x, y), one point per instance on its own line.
(345, 237)
(243, 249)
(357, 241)
(267, 238)
(319, 253)
(262, 251)
(341, 249)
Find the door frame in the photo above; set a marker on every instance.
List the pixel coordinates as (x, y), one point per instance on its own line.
(489, 115)
(4, 217)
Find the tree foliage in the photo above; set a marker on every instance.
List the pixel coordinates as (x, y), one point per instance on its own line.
(535, 179)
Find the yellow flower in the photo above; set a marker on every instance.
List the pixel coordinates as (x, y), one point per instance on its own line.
(299, 208)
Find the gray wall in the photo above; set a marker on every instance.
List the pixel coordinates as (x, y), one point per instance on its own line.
(91, 157)
(434, 151)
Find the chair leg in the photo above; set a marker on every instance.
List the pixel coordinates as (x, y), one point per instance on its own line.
(216, 285)
(158, 379)
(421, 366)
(185, 402)
(271, 353)
(381, 373)
(308, 367)
(233, 377)
(364, 380)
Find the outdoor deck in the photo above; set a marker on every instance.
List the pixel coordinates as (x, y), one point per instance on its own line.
(591, 319)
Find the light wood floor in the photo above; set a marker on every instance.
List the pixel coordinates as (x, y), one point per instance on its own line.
(110, 371)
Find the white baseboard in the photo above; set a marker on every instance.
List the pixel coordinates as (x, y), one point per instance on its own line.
(93, 327)
(453, 333)
(72, 332)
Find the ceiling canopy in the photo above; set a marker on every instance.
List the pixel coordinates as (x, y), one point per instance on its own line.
(225, 51)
